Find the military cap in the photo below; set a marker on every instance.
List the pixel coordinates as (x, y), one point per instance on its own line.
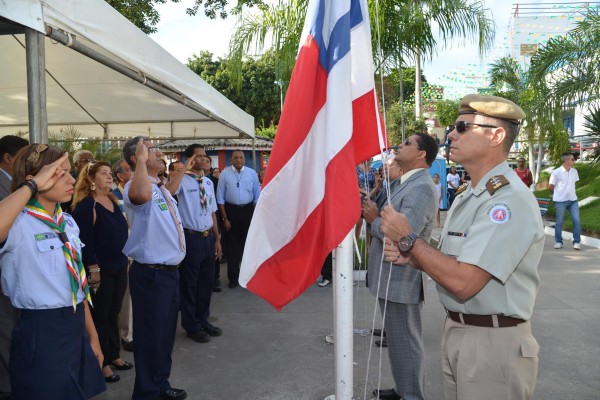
(491, 106)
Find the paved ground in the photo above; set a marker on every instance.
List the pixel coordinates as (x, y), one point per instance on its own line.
(269, 355)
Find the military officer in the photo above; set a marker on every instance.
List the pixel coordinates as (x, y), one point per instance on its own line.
(486, 266)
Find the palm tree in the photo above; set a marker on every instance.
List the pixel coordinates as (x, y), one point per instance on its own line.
(543, 121)
(407, 30)
(405, 27)
(570, 64)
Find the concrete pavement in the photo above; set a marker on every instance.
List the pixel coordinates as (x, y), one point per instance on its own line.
(269, 355)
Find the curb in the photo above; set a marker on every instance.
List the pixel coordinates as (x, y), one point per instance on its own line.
(568, 236)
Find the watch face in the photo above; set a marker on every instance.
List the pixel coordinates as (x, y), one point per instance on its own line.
(405, 243)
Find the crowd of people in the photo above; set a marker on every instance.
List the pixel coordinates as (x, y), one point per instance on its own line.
(142, 242)
(138, 247)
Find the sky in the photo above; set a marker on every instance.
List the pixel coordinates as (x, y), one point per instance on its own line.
(456, 66)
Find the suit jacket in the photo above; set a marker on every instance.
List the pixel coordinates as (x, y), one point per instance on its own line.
(4, 186)
(417, 198)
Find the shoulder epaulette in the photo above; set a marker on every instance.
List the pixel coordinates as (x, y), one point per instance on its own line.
(495, 183)
(461, 189)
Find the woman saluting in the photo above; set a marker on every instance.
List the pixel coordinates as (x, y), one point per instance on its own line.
(55, 352)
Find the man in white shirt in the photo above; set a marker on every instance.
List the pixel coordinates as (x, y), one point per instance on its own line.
(562, 187)
(453, 180)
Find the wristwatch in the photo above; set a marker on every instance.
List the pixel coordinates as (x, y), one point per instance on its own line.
(405, 244)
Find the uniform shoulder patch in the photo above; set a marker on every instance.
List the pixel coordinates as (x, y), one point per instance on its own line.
(461, 189)
(495, 183)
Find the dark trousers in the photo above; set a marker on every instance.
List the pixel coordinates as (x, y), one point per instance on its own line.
(240, 218)
(327, 268)
(451, 196)
(8, 319)
(196, 276)
(51, 357)
(155, 304)
(105, 311)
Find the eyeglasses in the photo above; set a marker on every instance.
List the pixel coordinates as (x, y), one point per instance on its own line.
(153, 149)
(462, 126)
(407, 142)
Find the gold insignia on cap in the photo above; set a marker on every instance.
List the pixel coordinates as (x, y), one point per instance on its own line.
(495, 183)
(492, 106)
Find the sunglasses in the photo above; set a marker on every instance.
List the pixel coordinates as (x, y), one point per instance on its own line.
(407, 142)
(462, 126)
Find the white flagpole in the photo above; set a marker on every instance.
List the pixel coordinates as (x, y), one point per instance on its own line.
(343, 318)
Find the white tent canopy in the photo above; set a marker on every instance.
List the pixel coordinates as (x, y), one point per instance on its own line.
(158, 96)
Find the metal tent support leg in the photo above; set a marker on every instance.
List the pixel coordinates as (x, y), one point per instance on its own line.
(35, 52)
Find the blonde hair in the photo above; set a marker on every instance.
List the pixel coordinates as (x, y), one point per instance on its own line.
(83, 187)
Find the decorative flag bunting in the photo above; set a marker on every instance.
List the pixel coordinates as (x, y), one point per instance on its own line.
(329, 124)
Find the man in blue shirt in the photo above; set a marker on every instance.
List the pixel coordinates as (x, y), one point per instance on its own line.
(157, 245)
(197, 206)
(237, 195)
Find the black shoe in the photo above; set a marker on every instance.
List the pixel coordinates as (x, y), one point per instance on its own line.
(200, 336)
(127, 346)
(386, 394)
(377, 332)
(232, 285)
(381, 343)
(217, 289)
(173, 394)
(123, 367)
(212, 330)
(112, 378)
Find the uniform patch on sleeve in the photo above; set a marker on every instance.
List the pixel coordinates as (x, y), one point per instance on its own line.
(500, 213)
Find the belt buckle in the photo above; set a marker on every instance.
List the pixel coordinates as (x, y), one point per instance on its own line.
(205, 233)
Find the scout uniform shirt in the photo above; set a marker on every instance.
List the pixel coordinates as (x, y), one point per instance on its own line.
(497, 227)
(154, 238)
(194, 216)
(34, 271)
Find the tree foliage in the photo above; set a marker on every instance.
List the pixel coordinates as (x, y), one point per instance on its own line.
(570, 65)
(258, 95)
(447, 112)
(143, 13)
(412, 124)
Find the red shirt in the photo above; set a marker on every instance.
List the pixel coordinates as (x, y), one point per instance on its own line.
(524, 175)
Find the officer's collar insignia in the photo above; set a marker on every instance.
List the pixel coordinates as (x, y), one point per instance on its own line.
(495, 183)
(461, 189)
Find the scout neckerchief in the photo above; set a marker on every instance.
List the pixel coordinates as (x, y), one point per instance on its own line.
(203, 197)
(171, 208)
(77, 273)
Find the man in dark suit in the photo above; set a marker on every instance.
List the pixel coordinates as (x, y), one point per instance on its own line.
(9, 146)
(401, 302)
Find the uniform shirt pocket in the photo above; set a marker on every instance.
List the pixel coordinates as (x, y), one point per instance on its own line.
(51, 255)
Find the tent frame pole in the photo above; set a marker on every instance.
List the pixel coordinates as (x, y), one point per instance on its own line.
(35, 55)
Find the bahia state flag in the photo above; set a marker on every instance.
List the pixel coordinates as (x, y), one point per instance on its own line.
(330, 123)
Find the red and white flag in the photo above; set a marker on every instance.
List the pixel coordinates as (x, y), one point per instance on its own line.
(330, 123)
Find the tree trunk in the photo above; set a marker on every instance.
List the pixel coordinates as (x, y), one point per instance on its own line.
(418, 97)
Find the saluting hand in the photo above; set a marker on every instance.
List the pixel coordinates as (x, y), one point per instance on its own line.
(141, 152)
(190, 162)
(51, 173)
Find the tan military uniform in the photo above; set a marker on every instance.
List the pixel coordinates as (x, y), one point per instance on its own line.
(497, 227)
